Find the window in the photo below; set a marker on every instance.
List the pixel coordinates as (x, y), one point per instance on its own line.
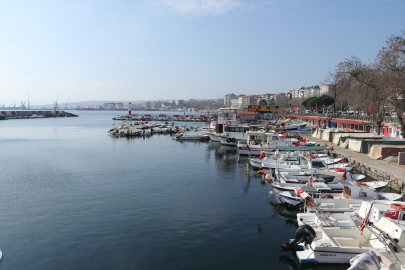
(362, 194)
(317, 164)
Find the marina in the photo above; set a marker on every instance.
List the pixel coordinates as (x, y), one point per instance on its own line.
(209, 197)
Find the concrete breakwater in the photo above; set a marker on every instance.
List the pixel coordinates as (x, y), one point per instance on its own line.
(5, 115)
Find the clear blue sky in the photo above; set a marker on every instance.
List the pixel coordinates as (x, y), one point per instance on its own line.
(168, 49)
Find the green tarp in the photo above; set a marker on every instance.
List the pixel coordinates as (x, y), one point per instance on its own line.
(303, 148)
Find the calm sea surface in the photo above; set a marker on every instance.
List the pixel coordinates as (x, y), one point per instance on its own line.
(71, 197)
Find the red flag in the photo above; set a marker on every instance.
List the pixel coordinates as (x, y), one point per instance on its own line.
(262, 155)
(316, 106)
(345, 174)
(371, 109)
(331, 148)
(257, 109)
(326, 144)
(365, 220)
(393, 215)
(306, 141)
(235, 111)
(297, 143)
(342, 161)
(298, 134)
(295, 108)
(286, 135)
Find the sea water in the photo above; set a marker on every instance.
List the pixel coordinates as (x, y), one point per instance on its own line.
(72, 197)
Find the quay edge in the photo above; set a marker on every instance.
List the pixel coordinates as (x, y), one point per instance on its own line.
(376, 170)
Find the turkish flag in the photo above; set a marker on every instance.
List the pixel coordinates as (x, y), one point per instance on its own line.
(393, 215)
(344, 174)
(306, 141)
(295, 108)
(316, 106)
(343, 161)
(262, 155)
(297, 143)
(331, 148)
(257, 109)
(286, 135)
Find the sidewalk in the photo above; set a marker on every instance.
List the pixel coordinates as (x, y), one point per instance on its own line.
(376, 169)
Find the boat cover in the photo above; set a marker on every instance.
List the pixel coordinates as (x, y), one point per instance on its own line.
(376, 150)
(302, 148)
(326, 133)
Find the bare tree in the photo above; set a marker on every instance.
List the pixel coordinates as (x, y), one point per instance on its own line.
(390, 62)
(362, 81)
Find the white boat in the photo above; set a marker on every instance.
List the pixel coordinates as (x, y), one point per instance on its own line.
(260, 141)
(383, 229)
(292, 164)
(228, 128)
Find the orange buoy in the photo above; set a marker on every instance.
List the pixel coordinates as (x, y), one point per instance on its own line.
(359, 183)
(260, 172)
(397, 206)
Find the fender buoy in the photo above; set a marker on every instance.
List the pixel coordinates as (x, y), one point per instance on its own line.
(228, 140)
(340, 169)
(260, 172)
(397, 206)
(233, 140)
(360, 183)
(228, 123)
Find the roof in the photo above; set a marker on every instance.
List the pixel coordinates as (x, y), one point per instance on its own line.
(308, 117)
(347, 121)
(344, 121)
(302, 148)
(243, 112)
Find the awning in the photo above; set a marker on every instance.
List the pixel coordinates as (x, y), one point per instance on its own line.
(308, 117)
(350, 122)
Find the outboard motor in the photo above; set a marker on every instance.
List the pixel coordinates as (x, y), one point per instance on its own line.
(304, 234)
(363, 261)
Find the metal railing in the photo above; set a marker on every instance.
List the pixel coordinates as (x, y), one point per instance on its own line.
(365, 118)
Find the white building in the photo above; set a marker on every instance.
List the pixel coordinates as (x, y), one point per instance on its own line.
(328, 89)
(227, 99)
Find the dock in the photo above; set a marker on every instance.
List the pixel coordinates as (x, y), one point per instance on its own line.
(376, 170)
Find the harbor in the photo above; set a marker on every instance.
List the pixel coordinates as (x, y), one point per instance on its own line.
(335, 185)
(209, 192)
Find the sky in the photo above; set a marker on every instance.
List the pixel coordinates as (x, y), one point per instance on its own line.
(81, 50)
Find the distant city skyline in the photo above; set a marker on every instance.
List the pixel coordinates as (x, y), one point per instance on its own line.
(184, 49)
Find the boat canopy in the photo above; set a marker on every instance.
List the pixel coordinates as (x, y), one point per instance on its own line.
(302, 148)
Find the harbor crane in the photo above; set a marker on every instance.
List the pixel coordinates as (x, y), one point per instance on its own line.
(66, 104)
